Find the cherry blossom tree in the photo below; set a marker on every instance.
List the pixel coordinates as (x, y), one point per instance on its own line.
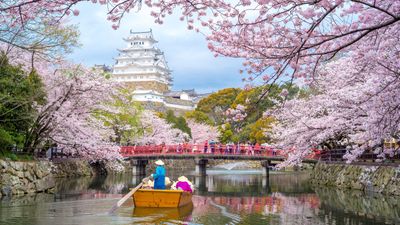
(157, 131)
(42, 36)
(297, 39)
(276, 37)
(73, 93)
(356, 106)
(202, 132)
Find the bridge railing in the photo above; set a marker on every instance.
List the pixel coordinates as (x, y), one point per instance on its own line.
(336, 155)
(211, 149)
(200, 149)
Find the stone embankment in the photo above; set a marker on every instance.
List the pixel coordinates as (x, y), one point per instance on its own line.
(380, 179)
(18, 178)
(72, 168)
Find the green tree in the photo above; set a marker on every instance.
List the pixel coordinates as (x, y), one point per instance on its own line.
(123, 116)
(257, 100)
(226, 133)
(260, 129)
(177, 122)
(199, 117)
(19, 93)
(217, 103)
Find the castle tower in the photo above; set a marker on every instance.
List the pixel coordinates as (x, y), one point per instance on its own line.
(142, 67)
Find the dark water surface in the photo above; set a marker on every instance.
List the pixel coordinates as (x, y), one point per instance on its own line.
(233, 197)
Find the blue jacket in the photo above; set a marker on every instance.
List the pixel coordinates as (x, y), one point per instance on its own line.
(159, 178)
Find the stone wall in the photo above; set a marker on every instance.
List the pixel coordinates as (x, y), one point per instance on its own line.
(160, 107)
(82, 168)
(380, 179)
(19, 178)
(72, 168)
(147, 85)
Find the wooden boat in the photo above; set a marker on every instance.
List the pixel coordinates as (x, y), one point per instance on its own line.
(161, 198)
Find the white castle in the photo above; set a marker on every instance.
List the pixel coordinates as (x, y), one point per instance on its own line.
(142, 67)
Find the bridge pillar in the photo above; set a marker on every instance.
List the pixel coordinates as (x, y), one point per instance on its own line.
(201, 166)
(200, 182)
(266, 188)
(265, 164)
(139, 166)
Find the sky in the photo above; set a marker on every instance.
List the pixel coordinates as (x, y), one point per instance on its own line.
(192, 64)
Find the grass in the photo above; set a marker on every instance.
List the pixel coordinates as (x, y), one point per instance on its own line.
(15, 157)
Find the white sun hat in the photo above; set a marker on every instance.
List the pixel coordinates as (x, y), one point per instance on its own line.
(159, 162)
(182, 178)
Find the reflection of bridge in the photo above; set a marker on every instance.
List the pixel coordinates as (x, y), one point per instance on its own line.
(220, 185)
(139, 155)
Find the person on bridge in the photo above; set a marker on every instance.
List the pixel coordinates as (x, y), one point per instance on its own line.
(205, 146)
(159, 176)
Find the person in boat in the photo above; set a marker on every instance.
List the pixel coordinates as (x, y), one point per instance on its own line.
(168, 183)
(183, 184)
(147, 184)
(159, 175)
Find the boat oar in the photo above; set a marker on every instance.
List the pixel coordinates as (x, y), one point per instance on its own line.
(126, 197)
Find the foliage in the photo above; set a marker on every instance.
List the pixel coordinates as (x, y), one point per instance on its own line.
(15, 157)
(226, 134)
(19, 93)
(177, 122)
(122, 115)
(199, 117)
(261, 130)
(246, 114)
(217, 103)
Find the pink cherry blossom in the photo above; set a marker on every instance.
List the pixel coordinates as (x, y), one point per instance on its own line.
(202, 132)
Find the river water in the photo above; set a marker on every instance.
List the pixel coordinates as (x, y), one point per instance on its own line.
(223, 197)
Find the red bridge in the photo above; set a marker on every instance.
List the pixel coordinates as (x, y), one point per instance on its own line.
(211, 150)
(139, 155)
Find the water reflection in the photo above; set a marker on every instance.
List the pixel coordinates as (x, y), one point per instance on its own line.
(150, 215)
(356, 207)
(219, 199)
